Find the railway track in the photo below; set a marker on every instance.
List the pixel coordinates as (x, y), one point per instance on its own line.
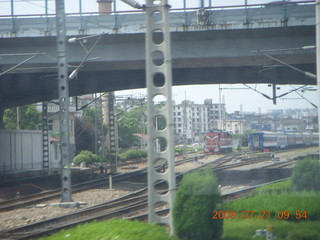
(132, 204)
(33, 199)
(124, 206)
(47, 195)
(50, 194)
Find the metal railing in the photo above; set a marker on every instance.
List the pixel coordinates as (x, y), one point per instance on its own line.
(205, 16)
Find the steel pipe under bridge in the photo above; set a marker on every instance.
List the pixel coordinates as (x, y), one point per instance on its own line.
(217, 47)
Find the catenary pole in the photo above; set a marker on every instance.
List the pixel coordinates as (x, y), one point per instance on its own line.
(63, 91)
(159, 86)
(318, 59)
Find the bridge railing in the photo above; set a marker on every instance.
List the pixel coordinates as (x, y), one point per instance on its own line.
(133, 20)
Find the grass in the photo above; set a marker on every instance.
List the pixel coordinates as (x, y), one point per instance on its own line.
(113, 230)
(275, 197)
(292, 202)
(244, 229)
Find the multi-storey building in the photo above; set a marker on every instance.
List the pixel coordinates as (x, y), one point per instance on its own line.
(192, 120)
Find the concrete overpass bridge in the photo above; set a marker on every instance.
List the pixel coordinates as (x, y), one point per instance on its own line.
(208, 47)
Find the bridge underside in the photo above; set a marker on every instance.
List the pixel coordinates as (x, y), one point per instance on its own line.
(30, 88)
(202, 58)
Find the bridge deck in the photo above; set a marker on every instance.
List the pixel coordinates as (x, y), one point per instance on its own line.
(217, 50)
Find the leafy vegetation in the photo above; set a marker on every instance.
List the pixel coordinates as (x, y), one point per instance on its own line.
(244, 229)
(30, 117)
(274, 202)
(129, 123)
(276, 198)
(87, 157)
(180, 150)
(113, 230)
(80, 158)
(196, 198)
(84, 135)
(306, 175)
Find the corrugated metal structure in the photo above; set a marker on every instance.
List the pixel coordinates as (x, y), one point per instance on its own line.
(21, 150)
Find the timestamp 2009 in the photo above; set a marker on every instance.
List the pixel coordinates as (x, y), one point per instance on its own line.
(258, 215)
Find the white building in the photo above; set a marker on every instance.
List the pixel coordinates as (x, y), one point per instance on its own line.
(193, 120)
(234, 126)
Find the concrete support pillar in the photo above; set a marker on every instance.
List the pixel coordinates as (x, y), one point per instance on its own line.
(45, 139)
(19, 118)
(63, 91)
(318, 60)
(159, 87)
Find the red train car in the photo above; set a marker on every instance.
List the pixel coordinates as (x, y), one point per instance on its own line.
(217, 142)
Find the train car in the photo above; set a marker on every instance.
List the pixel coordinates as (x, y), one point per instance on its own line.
(315, 140)
(267, 140)
(307, 139)
(291, 139)
(217, 142)
(272, 140)
(299, 139)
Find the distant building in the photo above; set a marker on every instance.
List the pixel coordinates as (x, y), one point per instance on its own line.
(261, 127)
(54, 122)
(233, 126)
(193, 120)
(275, 112)
(290, 124)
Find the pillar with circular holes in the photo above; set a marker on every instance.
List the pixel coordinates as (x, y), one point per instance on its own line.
(161, 174)
(63, 102)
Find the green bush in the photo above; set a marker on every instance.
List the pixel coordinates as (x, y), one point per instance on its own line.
(134, 154)
(87, 157)
(96, 158)
(81, 158)
(196, 198)
(306, 175)
(122, 156)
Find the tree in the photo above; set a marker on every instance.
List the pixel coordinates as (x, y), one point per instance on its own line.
(84, 135)
(129, 122)
(306, 175)
(87, 129)
(30, 117)
(196, 198)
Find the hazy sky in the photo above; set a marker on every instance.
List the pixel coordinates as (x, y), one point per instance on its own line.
(250, 100)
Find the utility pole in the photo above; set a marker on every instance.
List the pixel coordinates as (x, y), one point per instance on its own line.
(158, 63)
(19, 118)
(142, 125)
(185, 127)
(45, 139)
(63, 91)
(318, 59)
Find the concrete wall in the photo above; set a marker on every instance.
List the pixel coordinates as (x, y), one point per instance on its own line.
(21, 150)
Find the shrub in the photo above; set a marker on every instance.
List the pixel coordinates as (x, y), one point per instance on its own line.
(96, 158)
(134, 154)
(87, 157)
(122, 156)
(81, 158)
(306, 175)
(196, 198)
(87, 153)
